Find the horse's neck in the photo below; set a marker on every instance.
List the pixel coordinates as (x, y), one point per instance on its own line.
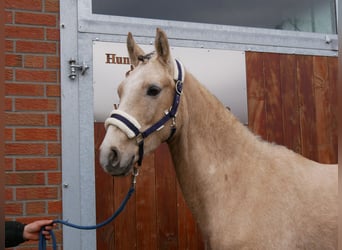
(209, 144)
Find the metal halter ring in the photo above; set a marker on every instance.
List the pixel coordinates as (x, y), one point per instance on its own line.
(178, 87)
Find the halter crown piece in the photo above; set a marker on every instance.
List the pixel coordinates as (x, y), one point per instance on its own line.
(131, 127)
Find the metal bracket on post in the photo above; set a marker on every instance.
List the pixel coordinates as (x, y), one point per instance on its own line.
(73, 67)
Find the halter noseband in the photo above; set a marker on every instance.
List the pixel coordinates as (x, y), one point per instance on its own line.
(131, 127)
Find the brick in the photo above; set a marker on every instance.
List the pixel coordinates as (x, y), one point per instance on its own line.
(9, 46)
(29, 18)
(53, 34)
(8, 104)
(24, 5)
(54, 119)
(35, 164)
(53, 62)
(8, 74)
(29, 219)
(24, 148)
(35, 104)
(13, 208)
(9, 164)
(52, 6)
(54, 207)
(24, 119)
(8, 135)
(59, 235)
(31, 61)
(53, 90)
(35, 193)
(54, 178)
(24, 32)
(13, 60)
(9, 193)
(32, 45)
(36, 134)
(36, 47)
(24, 89)
(8, 17)
(26, 75)
(54, 149)
(19, 179)
(37, 207)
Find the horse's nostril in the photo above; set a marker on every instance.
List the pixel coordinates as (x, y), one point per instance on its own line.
(114, 157)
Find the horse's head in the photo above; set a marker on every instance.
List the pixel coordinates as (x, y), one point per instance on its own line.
(143, 120)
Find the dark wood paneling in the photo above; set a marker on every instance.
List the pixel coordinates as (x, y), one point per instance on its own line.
(166, 200)
(333, 90)
(292, 101)
(146, 205)
(324, 110)
(256, 93)
(274, 117)
(125, 224)
(104, 195)
(307, 109)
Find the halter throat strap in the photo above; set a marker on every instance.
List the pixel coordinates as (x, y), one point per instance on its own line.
(131, 127)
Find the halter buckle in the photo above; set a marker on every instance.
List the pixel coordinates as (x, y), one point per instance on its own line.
(173, 124)
(179, 87)
(139, 138)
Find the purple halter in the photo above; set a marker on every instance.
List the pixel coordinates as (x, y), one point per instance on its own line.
(131, 126)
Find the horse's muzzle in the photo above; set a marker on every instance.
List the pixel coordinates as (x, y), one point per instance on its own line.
(110, 161)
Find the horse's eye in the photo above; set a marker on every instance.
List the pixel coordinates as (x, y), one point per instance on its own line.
(153, 90)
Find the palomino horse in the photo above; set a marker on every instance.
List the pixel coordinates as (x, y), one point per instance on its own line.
(245, 193)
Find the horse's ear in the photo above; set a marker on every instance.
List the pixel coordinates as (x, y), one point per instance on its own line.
(162, 46)
(133, 50)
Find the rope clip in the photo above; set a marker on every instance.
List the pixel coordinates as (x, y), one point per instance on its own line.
(135, 173)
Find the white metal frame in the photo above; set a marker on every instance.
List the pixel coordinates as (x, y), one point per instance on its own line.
(79, 28)
(78, 177)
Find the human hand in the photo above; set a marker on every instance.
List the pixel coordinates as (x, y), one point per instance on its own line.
(32, 230)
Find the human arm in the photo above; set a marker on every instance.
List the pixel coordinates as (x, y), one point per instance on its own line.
(13, 233)
(16, 232)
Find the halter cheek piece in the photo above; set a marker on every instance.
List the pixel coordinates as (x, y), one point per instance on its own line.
(131, 127)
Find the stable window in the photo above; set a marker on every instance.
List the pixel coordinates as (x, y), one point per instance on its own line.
(317, 16)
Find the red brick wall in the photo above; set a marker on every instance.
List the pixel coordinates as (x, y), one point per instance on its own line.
(2, 119)
(32, 112)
